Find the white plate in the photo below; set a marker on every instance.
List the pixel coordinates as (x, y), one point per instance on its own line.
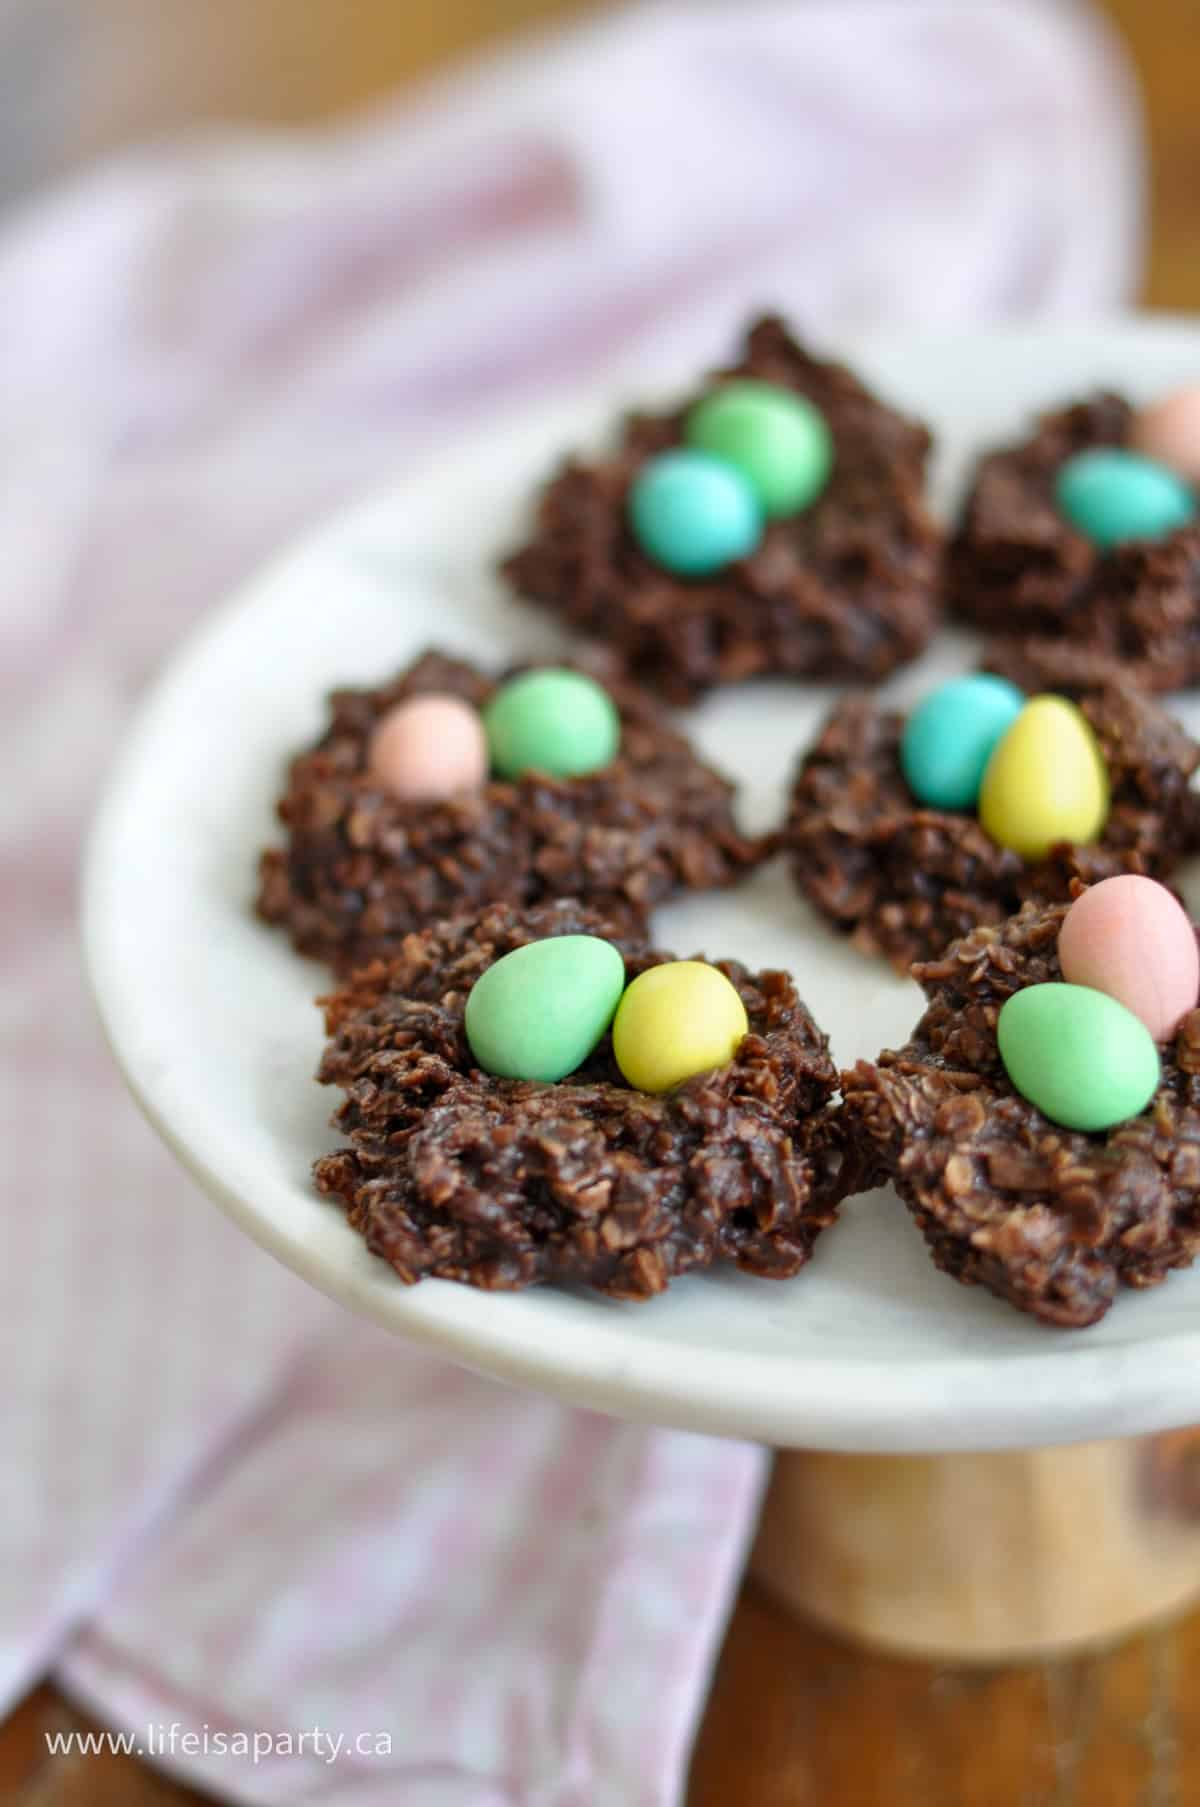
(211, 1017)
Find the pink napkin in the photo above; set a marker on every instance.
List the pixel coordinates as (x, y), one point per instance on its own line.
(229, 1508)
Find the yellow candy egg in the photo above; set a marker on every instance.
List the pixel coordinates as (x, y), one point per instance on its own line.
(675, 1021)
(1045, 782)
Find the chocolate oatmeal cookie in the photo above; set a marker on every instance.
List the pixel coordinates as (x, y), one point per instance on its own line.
(1017, 566)
(362, 867)
(504, 1183)
(845, 589)
(904, 880)
(1051, 1219)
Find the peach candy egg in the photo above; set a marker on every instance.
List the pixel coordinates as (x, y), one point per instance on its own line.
(429, 747)
(1129, 937)
(1169, 430)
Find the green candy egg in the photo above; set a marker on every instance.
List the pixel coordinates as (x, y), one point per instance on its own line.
(1112, 495)
(553, 721)
(539, 1011)
(950, 736)
(1081, 1057)
(777, 439)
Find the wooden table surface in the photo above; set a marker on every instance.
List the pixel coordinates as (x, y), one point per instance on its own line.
(795, 1718)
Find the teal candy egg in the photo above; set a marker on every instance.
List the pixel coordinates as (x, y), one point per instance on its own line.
(693, 513)
(777, 439)
(539, 1011)
(554, 721)
(1112, 495)
(950, 736)
(1081, 1057)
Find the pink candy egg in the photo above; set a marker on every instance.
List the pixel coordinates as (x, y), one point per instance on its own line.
(1128, 937)
(429, 747)
(1169, 430)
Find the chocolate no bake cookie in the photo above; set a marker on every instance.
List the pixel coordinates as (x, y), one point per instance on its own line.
(503, 1183)
(362, 868)
(1051, 1219)
(1017, 566)
(846, 589)
(904, 880)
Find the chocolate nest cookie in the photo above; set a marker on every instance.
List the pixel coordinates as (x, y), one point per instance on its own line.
(1017, 566)
(904, 880)
(504, 1183)
(1050, 1219)
(846, 589)
(362, 868)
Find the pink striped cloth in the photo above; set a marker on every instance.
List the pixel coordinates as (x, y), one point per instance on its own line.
(228, 1508)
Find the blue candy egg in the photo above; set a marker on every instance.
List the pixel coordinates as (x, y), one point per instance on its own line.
(1112, 495)
(949, 738)
(692, 512)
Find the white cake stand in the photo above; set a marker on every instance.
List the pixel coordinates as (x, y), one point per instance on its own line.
(900, 1521)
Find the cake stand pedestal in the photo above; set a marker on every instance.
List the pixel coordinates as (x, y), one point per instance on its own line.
(986, 1557)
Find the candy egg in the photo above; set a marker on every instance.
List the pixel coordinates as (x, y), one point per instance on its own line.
(693, 513)
(675, 1021)
(950, 736)
(429, 747)
(1130, 938)
(1045, 782)
(539, 1011)
(554, 721)
(1112, 495)
(1169, 431)
(776, 438)
(1078, 1055)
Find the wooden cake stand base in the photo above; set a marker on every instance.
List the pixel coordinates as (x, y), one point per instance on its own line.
(987, 1557)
